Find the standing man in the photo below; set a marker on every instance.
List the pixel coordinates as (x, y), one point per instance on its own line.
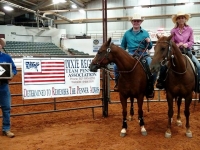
(5, 96)
(136, 40)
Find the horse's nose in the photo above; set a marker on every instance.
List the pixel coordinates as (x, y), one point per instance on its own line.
(93, 68)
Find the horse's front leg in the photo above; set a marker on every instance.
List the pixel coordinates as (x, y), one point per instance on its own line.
(178, 121)
(188, 101)
(168, 133)
(124, 114)
(140, 115)
(131, 109)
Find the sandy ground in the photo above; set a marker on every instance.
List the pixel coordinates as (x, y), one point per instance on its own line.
(77, 129)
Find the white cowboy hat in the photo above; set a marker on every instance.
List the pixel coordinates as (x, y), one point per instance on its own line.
(137, 17)
(2, 42)
(174, 17)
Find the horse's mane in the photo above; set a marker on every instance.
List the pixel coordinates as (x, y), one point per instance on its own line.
(168, 38)
(118, 48)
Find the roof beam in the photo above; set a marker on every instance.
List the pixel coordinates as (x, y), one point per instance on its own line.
(123, 7)
(116, 19)
(78, 3)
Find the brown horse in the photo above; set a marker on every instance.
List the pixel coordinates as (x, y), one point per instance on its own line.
(180, 79)
(132, 80)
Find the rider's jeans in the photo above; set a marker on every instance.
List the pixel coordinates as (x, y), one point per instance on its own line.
(148, 59)
(195, 60)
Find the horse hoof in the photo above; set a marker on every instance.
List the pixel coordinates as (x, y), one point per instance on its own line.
(123, 132)
(179, 123)
(189, 134)
(168, 135)
(143, 131)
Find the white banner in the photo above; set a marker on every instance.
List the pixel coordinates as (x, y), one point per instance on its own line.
(55, 77)
(97, 43)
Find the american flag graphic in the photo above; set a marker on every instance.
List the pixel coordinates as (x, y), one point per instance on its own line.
(44, 72)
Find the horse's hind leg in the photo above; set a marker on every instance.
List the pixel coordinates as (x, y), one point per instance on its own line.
(131, 109)
(187, 115)
(140, 115)
(178, 121)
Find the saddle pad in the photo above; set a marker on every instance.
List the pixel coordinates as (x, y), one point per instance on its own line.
(192, 64)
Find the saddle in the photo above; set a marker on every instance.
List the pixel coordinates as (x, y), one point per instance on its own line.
(194, 67)
(150, 84)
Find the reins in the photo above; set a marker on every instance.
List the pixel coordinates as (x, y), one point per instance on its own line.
(172, 57)
(138, 60)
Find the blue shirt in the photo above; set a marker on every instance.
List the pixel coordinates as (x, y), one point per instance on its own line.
(132, 40)
(5, 58)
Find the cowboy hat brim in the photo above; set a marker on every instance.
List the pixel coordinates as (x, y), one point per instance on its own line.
(174, 17)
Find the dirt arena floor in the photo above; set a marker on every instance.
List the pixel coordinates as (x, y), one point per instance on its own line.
(77, 129)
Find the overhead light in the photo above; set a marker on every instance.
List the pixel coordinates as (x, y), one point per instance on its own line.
(58, 1)
(81, 11)
(8, 8)
(189, 3)
(74, 6)
(2, 13)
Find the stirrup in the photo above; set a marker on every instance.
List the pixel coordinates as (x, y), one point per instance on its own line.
(116, 88)
(159, 85)
(150, 95)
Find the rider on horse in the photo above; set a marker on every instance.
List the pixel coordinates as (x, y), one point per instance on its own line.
(184, 39)
(137, 40)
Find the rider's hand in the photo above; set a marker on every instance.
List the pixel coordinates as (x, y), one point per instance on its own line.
(148, 40)
(185, 45)
(180, 44)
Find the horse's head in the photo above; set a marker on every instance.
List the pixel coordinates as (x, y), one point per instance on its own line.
(161, 52)
(102, 58)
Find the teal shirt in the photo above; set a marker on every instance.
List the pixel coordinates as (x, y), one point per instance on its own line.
(132, 40)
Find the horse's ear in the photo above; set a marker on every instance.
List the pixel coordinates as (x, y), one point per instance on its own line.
(169, 37)
(109, 40)
(157, 36)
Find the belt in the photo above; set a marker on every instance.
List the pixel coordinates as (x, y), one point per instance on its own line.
(3, 82)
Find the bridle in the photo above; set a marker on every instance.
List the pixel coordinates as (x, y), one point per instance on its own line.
(108, 50)
(171, 55)
(167, 57)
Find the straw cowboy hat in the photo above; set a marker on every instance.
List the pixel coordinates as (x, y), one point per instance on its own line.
(174, 17)
(137, 17)
(2, 42)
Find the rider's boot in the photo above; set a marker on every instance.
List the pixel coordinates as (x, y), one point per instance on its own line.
(162, 76)
(116, 84)
(150, 88)
(198, 79)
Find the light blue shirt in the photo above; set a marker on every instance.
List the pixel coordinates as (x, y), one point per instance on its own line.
(134, 40)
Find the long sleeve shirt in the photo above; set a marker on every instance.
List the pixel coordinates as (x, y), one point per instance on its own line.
(132, 40)
(5, 58)
(186, 36)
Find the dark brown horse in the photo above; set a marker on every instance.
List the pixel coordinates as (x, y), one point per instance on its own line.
(132, 80)
(180, 79)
